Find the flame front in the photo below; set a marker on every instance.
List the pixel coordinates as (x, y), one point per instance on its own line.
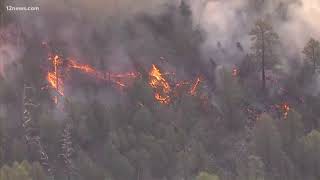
(163, 92)
(157, 81)
(160, 85)
(119, 79)
(55, 77)
(82, 67)
(193, 90)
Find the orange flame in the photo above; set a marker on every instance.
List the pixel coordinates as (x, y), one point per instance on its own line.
(193, 90)
(162, 89)
(157, 79)
(286, 109)
(160, 85)
(82, 67)
(118, 79)
(55, 83)
(53, 76)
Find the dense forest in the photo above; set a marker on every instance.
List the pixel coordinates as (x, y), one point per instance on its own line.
(93, 94)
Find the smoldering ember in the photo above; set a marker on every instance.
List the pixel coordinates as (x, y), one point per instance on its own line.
(160, 90)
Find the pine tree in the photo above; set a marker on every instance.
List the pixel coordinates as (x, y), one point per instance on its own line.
(312, 52)
(263, 40)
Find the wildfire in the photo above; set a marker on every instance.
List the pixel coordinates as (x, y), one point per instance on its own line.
(55, 83)
(53, 76)
(193, 90)
(82, 67)
(122, 79)
(162, 88)
(286, 109)
(159, 83)
(118, 79)
(163, 92)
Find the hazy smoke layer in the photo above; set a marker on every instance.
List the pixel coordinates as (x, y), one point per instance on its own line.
(225, 22)
(11, 48)
(231, 21)
(302, 23)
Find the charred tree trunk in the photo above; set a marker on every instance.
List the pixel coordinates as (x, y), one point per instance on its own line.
(2, 11)
(263, 64)
(31, 133)
(314, 60)
(67, 150)
(57, 79)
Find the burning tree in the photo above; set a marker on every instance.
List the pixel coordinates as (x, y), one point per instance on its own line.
(53, 77)
(160, 84)
(163, 91)
(312, 52)
(263, 40)
(60, 67)
(193, 89)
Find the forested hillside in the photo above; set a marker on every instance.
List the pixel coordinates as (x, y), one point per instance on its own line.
(160, 91)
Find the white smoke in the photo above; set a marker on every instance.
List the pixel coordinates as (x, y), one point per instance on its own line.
(229, 22)
(224, 21)
(302, 24)
(11, 48)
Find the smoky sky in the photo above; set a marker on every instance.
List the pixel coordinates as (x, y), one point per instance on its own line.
(231, 21)
(225, 22)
